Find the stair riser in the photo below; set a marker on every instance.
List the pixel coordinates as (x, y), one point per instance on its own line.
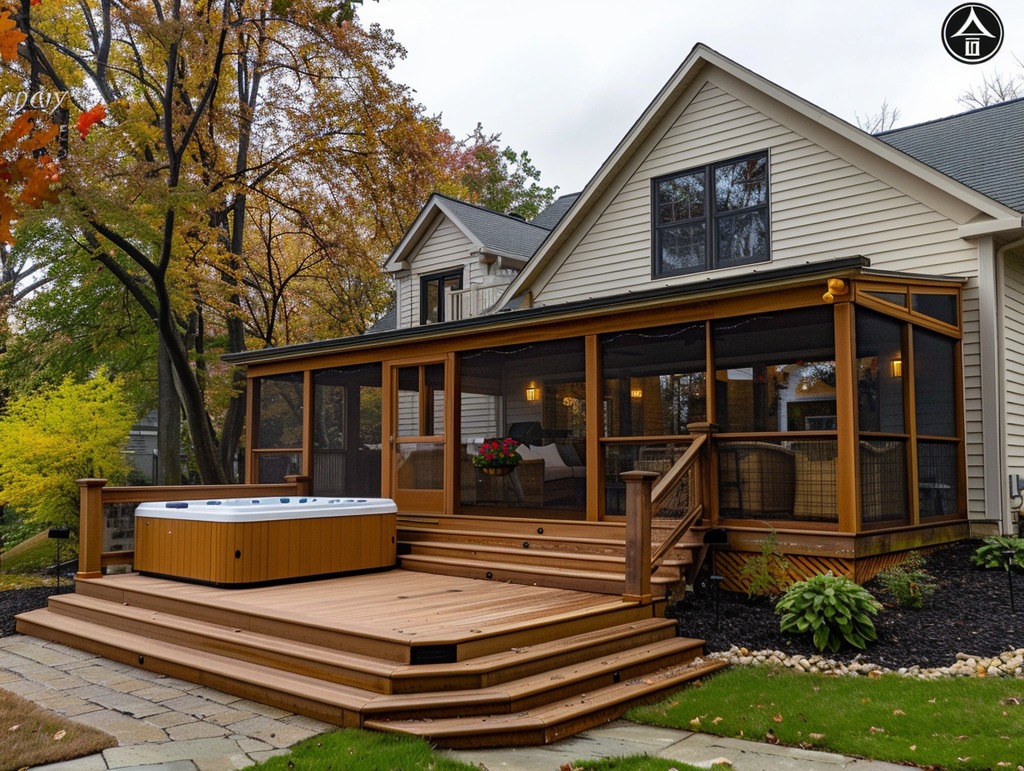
(512, 541)
(162, 632)
(319, 710)
(558, 690)
(579, 583)
(211, 614)
(535, 557)
(444, 682)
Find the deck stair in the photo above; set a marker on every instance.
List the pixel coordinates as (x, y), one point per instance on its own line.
(588, 556)
(524, 678)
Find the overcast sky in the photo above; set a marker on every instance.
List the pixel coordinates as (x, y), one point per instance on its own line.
(565, 79)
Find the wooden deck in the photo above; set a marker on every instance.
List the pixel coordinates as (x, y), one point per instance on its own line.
(464, 662)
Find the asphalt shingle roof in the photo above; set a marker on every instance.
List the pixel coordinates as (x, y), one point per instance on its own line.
(498, 232)
(983, 149)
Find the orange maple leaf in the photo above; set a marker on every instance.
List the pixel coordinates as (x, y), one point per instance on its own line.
(10, 37)
(89, 118)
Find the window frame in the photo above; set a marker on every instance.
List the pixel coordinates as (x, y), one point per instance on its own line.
(439, 279)
(710, 218)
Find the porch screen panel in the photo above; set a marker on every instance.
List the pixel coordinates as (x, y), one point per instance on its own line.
(776, 371)
(420, 400)
(347, 431)
(654, 380)
(534, 393)
(879, 373)
(278, 441)
(936, 414)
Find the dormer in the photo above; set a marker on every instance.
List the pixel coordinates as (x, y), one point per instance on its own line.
(456, 259)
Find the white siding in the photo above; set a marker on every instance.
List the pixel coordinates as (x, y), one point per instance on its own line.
(1013, 324)
(972, 406)
(822, 207)
(444, 248)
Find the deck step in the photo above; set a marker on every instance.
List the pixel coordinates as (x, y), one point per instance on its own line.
(602, 582)
(531, 707)
(551, 722)
(528, 554)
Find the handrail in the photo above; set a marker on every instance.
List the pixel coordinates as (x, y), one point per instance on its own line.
(673, 476)
(643, 499)
(94, 494)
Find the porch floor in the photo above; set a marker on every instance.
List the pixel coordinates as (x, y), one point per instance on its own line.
(464, 662)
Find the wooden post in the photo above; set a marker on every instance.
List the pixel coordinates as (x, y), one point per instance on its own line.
(90, 528)
(302, 483)
(638, 535)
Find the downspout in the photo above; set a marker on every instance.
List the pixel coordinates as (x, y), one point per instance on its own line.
(992, 345)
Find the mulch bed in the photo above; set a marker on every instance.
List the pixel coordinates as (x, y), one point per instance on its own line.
(969, 613)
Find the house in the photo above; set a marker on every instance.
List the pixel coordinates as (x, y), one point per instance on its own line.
(840, 310)
(754, 318)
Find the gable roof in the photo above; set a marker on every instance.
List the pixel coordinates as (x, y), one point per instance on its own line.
(551, 216)
(488, 231)
(847, 140)
(983, 149)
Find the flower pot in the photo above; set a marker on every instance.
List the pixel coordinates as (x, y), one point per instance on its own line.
(498, 471)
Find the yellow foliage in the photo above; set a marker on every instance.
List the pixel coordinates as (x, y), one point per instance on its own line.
(53, 437)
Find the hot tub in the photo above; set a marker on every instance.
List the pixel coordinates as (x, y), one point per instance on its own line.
(249, 541)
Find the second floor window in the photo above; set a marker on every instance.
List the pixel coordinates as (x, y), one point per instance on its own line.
(712, 217)
(433, 292)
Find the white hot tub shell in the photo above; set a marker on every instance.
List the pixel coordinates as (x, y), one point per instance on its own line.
(246, 541)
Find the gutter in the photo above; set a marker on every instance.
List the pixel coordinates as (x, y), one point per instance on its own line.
(547, 313)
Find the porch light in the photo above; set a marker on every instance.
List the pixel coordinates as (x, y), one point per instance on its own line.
(636, 393)
(532, 392)
(896, 367)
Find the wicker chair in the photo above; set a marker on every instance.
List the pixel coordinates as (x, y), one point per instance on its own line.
(755, 480)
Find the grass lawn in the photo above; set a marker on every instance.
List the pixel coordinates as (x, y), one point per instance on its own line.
(355, 750)
(953, 723)
(32, 736)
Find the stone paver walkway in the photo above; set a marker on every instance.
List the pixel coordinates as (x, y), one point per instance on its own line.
(165, 724)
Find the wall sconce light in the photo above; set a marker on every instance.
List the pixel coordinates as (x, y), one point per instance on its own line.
(636, 393)
(896, 367)
(532, 392)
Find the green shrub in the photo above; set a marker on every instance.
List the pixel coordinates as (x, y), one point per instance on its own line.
(833, 609)
(990, 554)
(767, 574)
(908, 582)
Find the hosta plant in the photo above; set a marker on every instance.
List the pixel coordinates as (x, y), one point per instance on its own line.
(833, 609)
(992, 553)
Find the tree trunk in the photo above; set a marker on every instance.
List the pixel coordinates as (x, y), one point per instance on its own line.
(168, 470)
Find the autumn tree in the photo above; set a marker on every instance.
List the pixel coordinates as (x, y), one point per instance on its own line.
(51, 438)
(209, 108)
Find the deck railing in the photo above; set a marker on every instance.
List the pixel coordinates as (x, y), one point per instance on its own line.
(95, 496)
(678, 495)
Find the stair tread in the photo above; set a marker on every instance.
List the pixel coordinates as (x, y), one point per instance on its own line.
(550, 715)
(336, 694)
(613, 559)
(597, 575)
(538, 683)
(257, 640)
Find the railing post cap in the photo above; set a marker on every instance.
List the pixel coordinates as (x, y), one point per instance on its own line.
(91, 482)
(638, 476)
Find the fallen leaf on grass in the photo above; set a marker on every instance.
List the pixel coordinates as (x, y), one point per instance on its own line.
(913, 747)
(695, 721)
(59, 735)
(817, 737)
(14, 727)
(1011, 700)
(898, 712)
(777, 718)
(717, 720)
(771, 738)
(875, 730)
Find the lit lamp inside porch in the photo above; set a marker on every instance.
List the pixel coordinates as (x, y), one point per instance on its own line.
(896, 368)
(532, 392)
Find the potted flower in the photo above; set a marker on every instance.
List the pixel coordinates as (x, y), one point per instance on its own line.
(497, 457)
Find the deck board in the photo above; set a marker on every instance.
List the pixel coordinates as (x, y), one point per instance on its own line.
(397, 605)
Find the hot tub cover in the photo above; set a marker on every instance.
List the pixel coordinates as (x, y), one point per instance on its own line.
(266, 509)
